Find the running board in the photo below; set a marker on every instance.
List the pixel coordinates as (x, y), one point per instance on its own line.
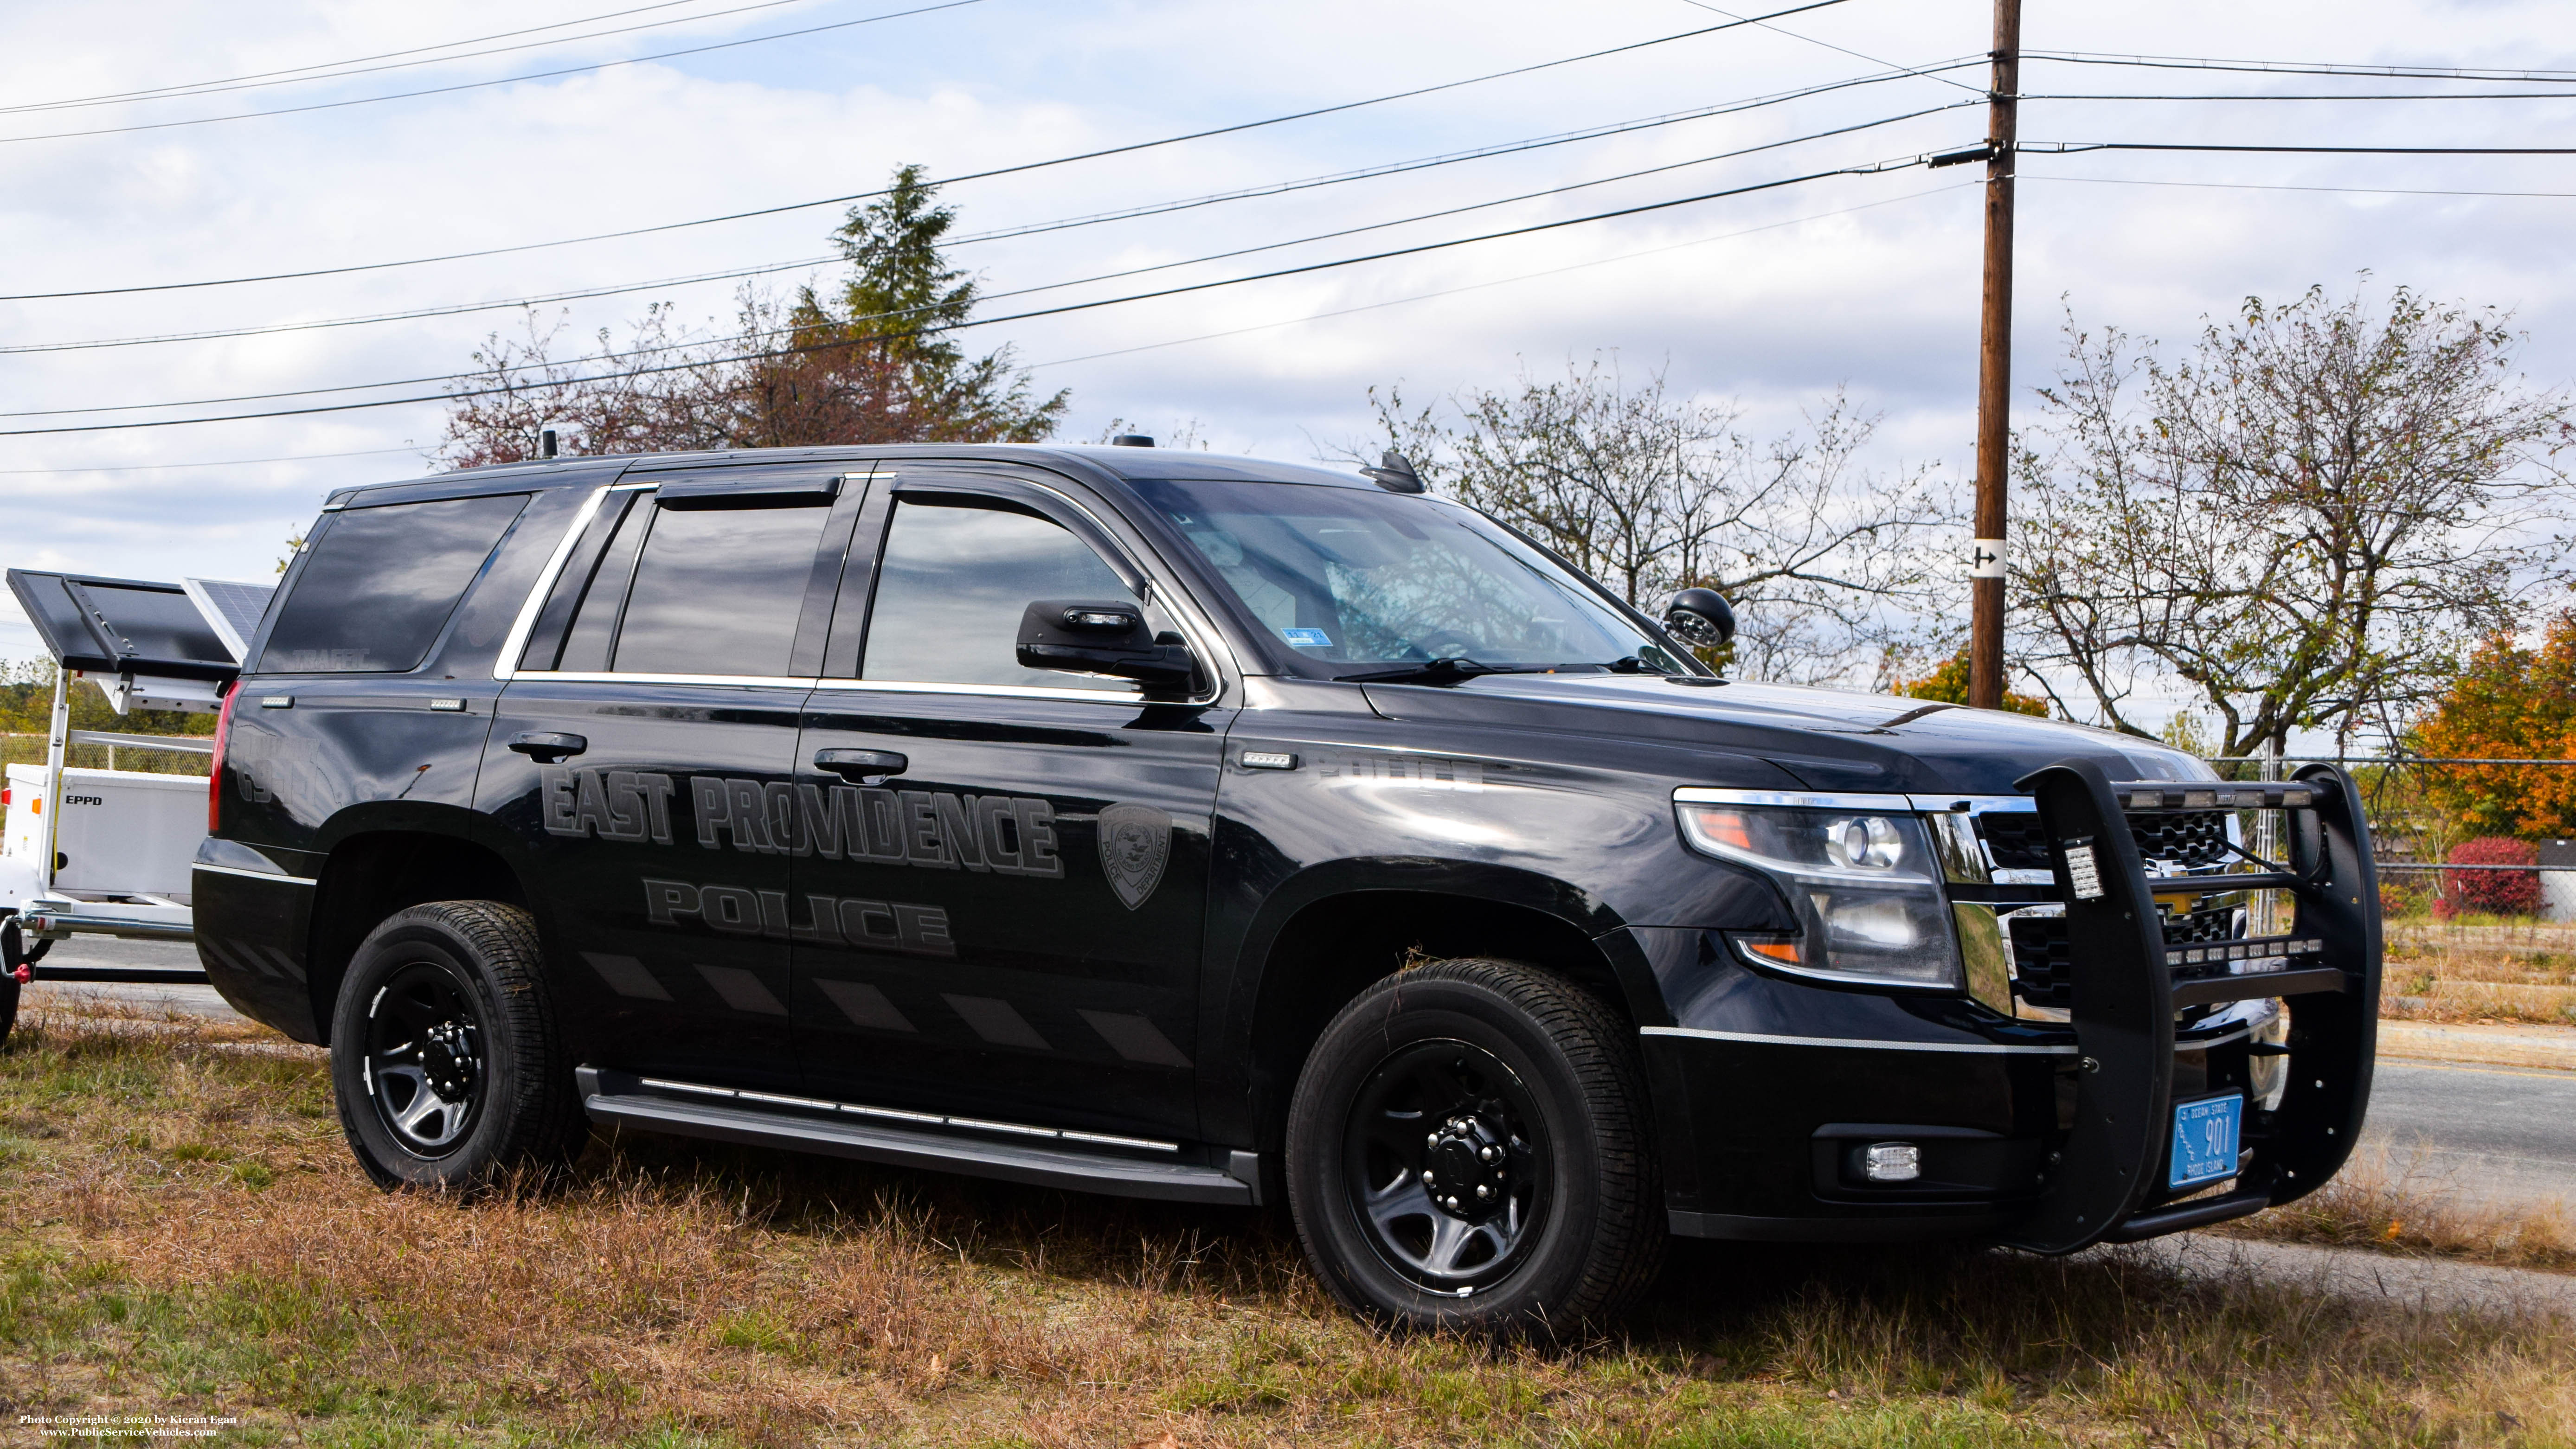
(745, 1117)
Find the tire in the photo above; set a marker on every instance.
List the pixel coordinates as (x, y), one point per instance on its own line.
(445, 1054)
(1502, 1078)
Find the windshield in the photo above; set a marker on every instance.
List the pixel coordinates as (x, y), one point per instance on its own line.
(1345, 576)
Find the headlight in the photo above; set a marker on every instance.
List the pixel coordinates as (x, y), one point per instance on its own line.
(1865, 885)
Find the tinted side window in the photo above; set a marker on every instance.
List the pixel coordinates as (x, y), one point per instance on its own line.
(717, 591)
(954, 579)
(381, 582)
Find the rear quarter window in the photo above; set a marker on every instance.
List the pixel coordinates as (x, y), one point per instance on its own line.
(379, 584)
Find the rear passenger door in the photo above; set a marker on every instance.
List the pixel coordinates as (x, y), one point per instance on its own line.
(1016, 859)
(642, 757)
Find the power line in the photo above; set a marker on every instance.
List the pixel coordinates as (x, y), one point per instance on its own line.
(1506, 281)
(482, 84)
(1174, 342)
(1012, 170)
(1829, 45)
(2312, 96)
(468, 307)
(2304, 67)
(1869, 168)
(2266, 186)
(2069, 148)
(224, 463)
(335, 70)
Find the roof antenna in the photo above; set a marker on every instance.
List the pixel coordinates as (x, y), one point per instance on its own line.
(546, 445)
(1131, 440)
(1395, 474)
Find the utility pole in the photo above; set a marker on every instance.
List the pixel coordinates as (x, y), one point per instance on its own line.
(1994, 370)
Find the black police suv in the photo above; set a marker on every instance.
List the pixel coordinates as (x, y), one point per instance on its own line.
(1238, 832)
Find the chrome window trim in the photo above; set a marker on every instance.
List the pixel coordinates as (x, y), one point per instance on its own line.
(1204, 641)
(505, 665)
(1005, 691)
(1764, 1038)
(728, 681)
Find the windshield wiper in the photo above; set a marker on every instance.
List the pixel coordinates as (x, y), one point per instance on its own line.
(1447, 670)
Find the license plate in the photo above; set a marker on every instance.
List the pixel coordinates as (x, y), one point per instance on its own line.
(2205, 1140)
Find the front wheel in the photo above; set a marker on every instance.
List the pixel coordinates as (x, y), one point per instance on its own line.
(1467, 1148)
(444, 1052)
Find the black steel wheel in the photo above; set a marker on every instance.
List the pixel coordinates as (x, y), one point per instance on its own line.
(1445, 1163)
(424, 1069)
(445, 1055)
(1467, 1148)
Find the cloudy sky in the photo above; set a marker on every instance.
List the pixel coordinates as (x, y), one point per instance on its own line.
(591, 125)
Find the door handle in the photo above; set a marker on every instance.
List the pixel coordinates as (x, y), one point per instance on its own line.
(861, 765)
(546, 748)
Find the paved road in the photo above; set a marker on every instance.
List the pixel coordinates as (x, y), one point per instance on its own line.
(2499, 1134)
(2491, 1134)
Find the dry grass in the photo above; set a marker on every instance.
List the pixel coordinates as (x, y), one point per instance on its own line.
(2382, 1203)
(2481, 971)
(192, 1238)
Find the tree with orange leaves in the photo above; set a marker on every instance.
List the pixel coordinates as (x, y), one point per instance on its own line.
(2511, 703)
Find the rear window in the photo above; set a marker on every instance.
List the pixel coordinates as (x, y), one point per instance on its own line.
(379, 584)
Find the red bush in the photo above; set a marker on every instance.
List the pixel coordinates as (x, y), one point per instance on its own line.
(2490, 892)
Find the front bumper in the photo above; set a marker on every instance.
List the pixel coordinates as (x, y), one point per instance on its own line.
(2051, 1136)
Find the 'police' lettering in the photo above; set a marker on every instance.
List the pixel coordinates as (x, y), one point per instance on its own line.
(902, 926)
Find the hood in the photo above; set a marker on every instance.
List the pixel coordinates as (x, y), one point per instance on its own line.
(1829, 739)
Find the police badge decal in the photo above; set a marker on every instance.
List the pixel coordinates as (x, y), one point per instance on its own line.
(1135, 843)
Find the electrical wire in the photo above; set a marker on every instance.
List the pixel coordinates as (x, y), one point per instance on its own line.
(336, 70)
(1013, 170)
(2304, 67)
(2265, 186)
(1868, 168)
(483, 84)
(2070, 148)
(271, 329)
(1845, 49)
(224, 463)
(2314, 96)
(1506, 281)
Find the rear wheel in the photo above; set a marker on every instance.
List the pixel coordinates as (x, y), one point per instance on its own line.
(1467, 1148)
(444, 1051)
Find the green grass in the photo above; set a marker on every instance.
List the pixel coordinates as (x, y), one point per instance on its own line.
(191, 1237)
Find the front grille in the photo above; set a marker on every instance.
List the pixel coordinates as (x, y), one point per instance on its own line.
(2195, 839)
(2041, 961)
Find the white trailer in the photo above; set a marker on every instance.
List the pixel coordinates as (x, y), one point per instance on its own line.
(107, 852)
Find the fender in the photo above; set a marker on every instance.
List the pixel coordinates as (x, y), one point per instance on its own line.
(1235, 973)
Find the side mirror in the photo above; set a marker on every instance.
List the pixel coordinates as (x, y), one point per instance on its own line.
(1699, 618)
(1081, 636)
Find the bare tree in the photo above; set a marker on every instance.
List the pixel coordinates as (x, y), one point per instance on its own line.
(2304, 519)
(1834, 569)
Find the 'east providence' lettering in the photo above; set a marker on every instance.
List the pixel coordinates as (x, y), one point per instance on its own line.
(932, 829)
(830, 920)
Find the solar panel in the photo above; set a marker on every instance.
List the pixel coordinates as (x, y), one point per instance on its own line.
(233, 608)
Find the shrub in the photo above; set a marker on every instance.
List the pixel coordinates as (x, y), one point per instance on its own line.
(2490, 892)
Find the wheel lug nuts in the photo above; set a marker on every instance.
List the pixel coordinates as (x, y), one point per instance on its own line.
(1482, 1191)
(1490, 1153)
(1431, 1141)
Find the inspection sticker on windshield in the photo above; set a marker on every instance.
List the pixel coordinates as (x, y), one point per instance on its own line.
(1307, 638)
(2204, 1140)
(2082, 872)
